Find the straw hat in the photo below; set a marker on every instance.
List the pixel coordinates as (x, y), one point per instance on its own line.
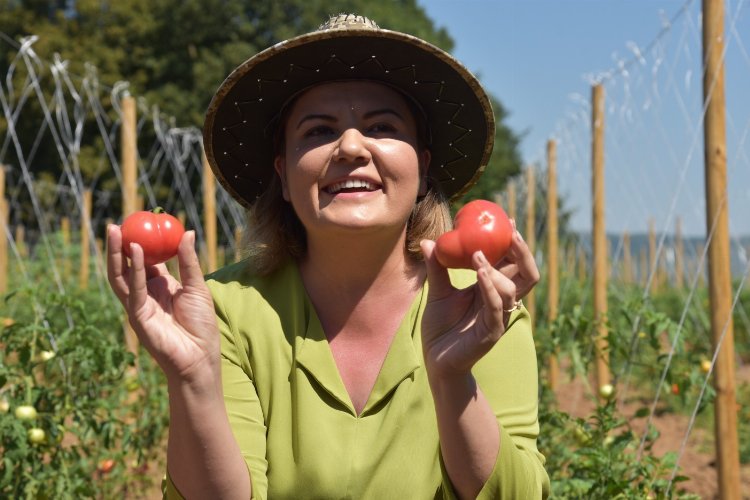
(240, 120)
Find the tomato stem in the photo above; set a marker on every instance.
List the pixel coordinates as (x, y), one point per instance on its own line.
(158, 210)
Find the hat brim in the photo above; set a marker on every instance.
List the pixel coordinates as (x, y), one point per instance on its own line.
(237, 136)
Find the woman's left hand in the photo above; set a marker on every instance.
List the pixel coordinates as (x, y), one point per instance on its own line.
(460, 326)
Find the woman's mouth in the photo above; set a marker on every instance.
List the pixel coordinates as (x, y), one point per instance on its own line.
(350, 186)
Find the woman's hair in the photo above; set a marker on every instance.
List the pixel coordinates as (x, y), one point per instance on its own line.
(275, 233)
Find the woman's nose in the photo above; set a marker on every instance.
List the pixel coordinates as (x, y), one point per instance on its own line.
(352, 146)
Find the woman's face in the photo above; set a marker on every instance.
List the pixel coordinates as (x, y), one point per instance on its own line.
(351, 160)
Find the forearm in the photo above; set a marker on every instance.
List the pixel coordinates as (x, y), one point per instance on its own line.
(203, 457)
(469, 434)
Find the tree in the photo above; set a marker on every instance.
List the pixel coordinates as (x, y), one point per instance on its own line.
(176, 52)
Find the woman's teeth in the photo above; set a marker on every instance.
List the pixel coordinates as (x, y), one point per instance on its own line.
(355, 184)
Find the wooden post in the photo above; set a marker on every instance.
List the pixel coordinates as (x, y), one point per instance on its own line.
(627, 260)
(652, 264)
(530, 236)
(679, 254)
(582, 265)
(129, 166)
(512, 209)
(553, 282)
(83, 276)
(570, 260)
(599, 237)
(209, 215)
(65, 259)
(20, 239)
(237, 244)
(4, 219)
(719, 251)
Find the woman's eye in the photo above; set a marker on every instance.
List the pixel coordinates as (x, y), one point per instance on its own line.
(381, 128)
(319, 131)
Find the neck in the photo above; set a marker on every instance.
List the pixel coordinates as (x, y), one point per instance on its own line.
(358, 274)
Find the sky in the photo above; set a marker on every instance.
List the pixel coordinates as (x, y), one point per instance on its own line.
(537, 56)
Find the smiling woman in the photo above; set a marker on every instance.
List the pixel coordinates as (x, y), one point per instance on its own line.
(341, 359)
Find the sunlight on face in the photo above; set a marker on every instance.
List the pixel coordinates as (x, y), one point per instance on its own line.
(350, 159)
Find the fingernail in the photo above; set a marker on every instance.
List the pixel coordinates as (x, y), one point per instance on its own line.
(513, 223)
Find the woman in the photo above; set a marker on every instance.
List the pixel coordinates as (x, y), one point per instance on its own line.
(341, 359)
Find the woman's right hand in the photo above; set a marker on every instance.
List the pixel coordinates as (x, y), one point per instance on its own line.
(174, 321)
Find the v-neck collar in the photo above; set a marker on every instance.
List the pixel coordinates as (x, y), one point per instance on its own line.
(314, 354)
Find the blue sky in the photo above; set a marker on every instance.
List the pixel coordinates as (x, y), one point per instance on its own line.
(535, 55)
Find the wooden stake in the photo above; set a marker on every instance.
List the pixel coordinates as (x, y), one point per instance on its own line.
(627, 260)
(719, 251)
(129, 166)
(65, 256)
(237, 244)
(652, 267)
(129, 157)
(530, 236)
(582, 265)
(20, 239)
(209, 215)
(599, 237)
(679, 254)
(512, 209)
(553, 282)
(83, 277)
(4, 219)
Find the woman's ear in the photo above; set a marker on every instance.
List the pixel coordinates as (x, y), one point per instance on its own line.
(424, 168)
(279, 164)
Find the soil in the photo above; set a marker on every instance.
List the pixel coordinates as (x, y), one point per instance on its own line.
(697, 462)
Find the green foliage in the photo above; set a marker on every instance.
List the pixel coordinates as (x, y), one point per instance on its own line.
(597, 457)
(63, 354)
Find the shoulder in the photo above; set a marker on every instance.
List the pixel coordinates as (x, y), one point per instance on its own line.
(237, 288)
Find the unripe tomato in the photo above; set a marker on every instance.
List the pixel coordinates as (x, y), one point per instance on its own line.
(157, 233)
(46, 355)
(25, 412)
(4, 405)
(479, 225)
(606, 391)
(706, 365)
(37, 435)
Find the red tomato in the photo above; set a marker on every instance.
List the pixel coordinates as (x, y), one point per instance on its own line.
(479, 225)
(105, 465)
(157, 233)
(675, 389)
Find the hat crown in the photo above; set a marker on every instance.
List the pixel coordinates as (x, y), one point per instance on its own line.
(348, 21)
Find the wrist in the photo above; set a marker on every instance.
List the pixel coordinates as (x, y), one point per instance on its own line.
(201, 384)
(452, 386)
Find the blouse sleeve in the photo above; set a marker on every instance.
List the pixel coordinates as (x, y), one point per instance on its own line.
(508, 377)
(243, 408)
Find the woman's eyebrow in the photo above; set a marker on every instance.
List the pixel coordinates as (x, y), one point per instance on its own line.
(383, 111)
(314, 116)
(366, 116)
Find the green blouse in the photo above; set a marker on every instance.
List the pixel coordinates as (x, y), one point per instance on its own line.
(297, 428)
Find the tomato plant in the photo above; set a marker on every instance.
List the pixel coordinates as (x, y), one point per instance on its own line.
(157, 233)
(69, 412)
(479, 225)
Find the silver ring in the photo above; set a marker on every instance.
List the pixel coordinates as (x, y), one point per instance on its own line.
(515, 307)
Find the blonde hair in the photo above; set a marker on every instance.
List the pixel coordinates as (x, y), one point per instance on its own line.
(274, 232)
